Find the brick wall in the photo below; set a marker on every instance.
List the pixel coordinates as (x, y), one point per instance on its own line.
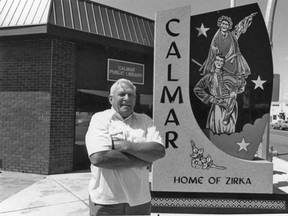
(62, 106)
(24, 131)
(37, 89)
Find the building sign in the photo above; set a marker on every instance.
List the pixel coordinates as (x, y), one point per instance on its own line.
(211, 100)
(117, 69)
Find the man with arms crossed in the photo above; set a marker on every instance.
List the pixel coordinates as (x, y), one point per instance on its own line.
(121, 145)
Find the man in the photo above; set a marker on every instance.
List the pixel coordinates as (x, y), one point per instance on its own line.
(223, 89)
(121, 145)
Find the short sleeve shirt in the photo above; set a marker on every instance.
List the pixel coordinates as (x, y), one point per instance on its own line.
(125, 185)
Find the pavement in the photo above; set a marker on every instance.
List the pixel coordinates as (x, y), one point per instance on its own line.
(67, 194)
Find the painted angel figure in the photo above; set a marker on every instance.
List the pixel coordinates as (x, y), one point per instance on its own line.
(225, 42)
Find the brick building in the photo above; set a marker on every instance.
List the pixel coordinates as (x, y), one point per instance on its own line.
(54, 74)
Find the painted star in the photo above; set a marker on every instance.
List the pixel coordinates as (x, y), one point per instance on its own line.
(259, 83)
(243, 145)
(202, 30)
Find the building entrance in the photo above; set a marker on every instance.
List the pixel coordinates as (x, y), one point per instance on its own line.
(88, 102)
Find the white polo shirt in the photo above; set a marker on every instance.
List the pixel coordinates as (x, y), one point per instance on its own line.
(122, 185)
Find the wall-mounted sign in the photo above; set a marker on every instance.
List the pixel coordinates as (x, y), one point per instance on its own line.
(117, 69)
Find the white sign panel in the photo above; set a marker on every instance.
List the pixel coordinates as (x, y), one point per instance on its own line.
(192, 163)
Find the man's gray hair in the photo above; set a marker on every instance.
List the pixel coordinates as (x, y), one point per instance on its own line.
(122, 82)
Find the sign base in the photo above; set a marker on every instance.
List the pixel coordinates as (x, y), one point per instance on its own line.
(218, 203)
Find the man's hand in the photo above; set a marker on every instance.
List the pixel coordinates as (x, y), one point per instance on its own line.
(118, 143)
(147, 151)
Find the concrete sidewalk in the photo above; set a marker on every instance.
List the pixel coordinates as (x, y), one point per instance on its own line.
(67, 194)
(62, 194)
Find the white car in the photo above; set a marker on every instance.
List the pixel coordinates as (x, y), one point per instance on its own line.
(281, 125)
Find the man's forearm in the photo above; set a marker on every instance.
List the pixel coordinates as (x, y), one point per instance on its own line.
(114, 159)
(147, 151)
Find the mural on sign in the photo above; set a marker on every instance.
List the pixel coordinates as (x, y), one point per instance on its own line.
(231, 78)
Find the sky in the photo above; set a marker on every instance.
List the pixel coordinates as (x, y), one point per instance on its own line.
(148, 8)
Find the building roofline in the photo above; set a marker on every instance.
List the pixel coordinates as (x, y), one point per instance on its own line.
(91, 18)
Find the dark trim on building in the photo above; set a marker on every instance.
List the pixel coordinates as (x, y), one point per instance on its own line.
(71, 34)
(23, 30)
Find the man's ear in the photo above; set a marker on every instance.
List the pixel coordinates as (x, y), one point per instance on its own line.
(110, 98)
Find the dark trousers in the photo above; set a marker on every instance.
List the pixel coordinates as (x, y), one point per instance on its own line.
(119, 209)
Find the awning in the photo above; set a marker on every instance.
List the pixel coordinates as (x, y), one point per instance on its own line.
(17, 13)
(19, 17)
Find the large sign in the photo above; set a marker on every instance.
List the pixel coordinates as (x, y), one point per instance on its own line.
(117, 69)
(212, 94)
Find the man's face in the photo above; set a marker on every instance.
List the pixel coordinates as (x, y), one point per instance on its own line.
(123, 100)
(224, 26)
(219, 62)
